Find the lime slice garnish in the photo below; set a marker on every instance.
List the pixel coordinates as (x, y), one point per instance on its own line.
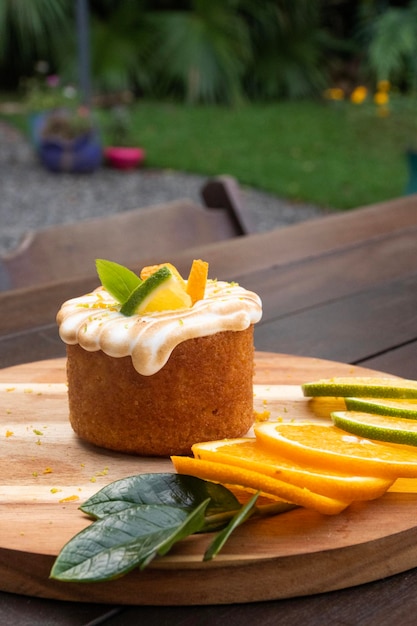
(160, 292)
(363, 387)
(380, 427)
(394, 408)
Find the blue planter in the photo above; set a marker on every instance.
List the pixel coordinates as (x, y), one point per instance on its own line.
(83, 154)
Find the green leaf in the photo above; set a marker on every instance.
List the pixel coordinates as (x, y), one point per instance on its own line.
(141, 517)
(245, 512)
(193, 523)
(177, 490)
(115, 545)
(117, 279)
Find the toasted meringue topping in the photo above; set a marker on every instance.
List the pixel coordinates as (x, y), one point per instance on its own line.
(95, 323)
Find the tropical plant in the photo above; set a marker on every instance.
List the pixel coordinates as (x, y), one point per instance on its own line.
(221, 51)
(391, 37)
(201, 53)
(194, 51)
(29, 31)
(288, 42)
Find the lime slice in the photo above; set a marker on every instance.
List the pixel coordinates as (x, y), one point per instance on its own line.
(362, 387)
(394, 408)
(380, 427)
(160, 292)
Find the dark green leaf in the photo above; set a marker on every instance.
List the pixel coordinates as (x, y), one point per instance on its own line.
(193, 523)
(113, 546)
(163, 488)
(141, 517)
(245, 512)
(117, 279)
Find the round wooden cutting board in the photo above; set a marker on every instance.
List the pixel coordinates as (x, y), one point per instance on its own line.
(46, 472)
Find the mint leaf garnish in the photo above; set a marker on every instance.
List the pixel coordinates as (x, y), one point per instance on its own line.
(119, 281)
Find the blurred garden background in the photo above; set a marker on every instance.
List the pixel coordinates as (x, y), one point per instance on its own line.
(312, 100)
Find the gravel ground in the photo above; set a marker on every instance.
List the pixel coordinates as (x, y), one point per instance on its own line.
(33, 198)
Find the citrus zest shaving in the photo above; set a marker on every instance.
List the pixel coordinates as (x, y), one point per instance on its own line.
(70, 499)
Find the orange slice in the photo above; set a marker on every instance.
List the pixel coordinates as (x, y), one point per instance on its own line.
(230, 475)
(330, 447)
(249, 455)
(197, 279)
(323, 406)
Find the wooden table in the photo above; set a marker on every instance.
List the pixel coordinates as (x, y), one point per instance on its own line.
(343, 288)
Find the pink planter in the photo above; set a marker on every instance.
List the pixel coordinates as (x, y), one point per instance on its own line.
(124, 158)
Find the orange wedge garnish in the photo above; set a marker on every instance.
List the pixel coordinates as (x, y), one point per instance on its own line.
(197, 279)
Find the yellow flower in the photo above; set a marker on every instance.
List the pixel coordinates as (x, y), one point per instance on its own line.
(381, 98)
(359, 94)
(383, 85)
(334, 93)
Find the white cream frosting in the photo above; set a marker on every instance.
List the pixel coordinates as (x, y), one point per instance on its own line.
(95, 323)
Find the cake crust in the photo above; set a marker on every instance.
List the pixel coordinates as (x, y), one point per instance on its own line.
(204, 392)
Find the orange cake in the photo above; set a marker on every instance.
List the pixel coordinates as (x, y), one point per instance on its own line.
(154, 383)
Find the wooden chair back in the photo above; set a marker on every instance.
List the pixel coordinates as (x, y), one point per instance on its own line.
(147, 235)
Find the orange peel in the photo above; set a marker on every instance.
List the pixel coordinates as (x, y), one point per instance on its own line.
(197, 279)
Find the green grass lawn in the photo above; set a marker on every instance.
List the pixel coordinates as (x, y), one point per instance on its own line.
(336, 155)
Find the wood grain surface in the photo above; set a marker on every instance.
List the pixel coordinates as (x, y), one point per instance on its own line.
(46, 472)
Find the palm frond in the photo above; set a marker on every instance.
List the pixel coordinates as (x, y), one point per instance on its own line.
(31, 26)
(393, 45)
